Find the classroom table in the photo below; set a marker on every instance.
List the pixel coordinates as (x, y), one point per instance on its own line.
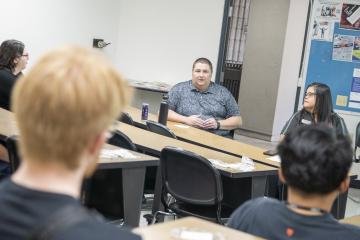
(226, 145)
(133, 176)
(170, 230)
(132, 170)
(159, 87)
(206, 139)
(354, 220)
(154, 143)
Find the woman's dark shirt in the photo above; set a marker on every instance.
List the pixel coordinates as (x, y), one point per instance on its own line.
(7, 82)
(303, 117)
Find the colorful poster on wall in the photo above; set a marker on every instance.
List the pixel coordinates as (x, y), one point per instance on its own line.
(350, 16)
(326, 14)
(356, 50)
(343, 47)
(323, 30)
(355, 90)
(328, 10)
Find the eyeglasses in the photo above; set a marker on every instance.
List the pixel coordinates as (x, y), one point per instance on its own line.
(25, 55)
(310, 94)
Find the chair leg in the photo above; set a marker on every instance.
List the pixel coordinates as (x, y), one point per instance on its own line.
(162, 213)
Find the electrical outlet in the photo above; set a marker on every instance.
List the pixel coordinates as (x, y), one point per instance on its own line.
(96, 42)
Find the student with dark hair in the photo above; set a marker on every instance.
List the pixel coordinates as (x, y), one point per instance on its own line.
(317, 108)
(202, 103)
(13, 59)
(314, 164)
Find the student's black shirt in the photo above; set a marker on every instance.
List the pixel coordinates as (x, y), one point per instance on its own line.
(272, 219)
(23, 210)
(7, 82)
(303, 117)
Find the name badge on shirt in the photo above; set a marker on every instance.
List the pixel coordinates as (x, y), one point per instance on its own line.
(304, 121)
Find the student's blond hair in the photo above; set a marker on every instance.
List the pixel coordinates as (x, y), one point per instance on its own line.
(66, 99)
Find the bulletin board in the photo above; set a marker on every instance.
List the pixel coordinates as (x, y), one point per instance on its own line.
(334, 51)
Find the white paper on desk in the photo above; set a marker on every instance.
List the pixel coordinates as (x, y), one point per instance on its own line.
(192, 235)
(116, 153)
(244, 166)
(181, 126)
(275, 158)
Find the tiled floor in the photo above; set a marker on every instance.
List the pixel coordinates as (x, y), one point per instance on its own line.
(353, 202)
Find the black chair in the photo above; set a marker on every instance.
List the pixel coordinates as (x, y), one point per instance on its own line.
(119, 139)
(159, 129)
(103, 191)
(232, 134)
(195, 185)
(126, 118)
(11, 145)
(357, 142)
(355, 183)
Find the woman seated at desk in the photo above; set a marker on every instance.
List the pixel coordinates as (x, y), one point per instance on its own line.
(13, 59)
(317, 108)
(204, 104)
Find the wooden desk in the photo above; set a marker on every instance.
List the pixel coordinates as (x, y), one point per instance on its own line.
(133, 177)
(154, 143)
(150, 86)
(207, 139)
(164, 231)
(133, 171)
(355, 220)
(225, 145)
(8, 125)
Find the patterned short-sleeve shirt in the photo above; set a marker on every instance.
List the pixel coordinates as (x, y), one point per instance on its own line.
(216, 102)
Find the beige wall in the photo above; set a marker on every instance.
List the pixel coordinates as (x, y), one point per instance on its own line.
(262, 64)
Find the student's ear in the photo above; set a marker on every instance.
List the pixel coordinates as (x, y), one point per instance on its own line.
(281, 176)
(16, 60)
(94, 152)
(97, 144)
(344, 185)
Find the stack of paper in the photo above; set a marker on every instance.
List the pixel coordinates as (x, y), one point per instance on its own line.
(275, 158)
(116, 153)
(244, 166)
(181, 126)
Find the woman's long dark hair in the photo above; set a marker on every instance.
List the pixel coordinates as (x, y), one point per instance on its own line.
(9, 51)
(323, 105)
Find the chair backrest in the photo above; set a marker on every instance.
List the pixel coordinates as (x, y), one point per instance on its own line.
(126, 118)
(357, 141)
(119, 139)
(159, 129)
(357, 135)
(14, 158)
(189, 177)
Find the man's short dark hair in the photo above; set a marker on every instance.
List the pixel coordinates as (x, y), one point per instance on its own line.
(314, 159)
(203, 60)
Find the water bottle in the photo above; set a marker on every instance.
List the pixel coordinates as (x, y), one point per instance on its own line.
(164, 108)
(144, 111)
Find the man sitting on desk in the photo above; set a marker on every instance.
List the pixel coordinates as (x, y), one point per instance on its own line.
(315, 165)
(204, 104)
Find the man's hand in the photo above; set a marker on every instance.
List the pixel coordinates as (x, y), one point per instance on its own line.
(210, 123)
(195, 121)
